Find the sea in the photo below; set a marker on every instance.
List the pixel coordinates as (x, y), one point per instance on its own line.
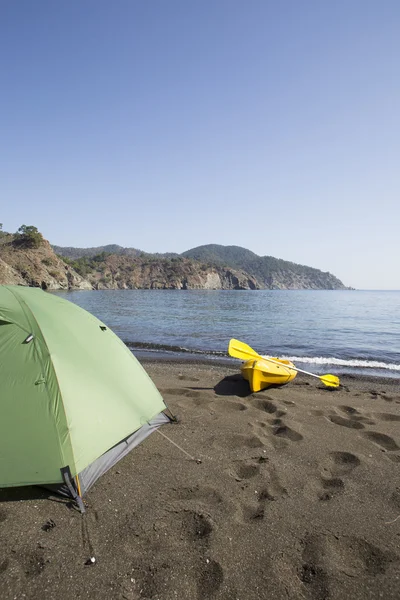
(340, 331)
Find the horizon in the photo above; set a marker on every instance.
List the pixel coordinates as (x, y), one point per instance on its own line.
(270, 127)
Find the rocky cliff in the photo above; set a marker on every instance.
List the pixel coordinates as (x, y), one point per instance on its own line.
(36, 267)
(122, 272)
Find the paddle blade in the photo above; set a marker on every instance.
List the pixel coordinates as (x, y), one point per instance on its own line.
(240, 350)
(330, 380)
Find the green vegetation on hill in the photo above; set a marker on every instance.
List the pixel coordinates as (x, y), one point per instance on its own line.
(28, 236)
(85, 264)
(75, 253)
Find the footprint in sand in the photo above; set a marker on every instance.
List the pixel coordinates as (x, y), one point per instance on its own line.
(332, 486)
(355, 415)
(343, 463)
(371, 559)
(33, 563)
(3, 516)
(286, 432)
(349, 410)
(352, 555)
(236, 441)
(253, 513)
(387, 417)
(388, 398)
(334, 467)
(229, 406)
(312, 572)
(381, 439)
(265, 405)
(199, 399)
(198, 528)
(210, 579)
(246, 470)
(383, 396)
(271, 492)
(194, 525)
(350, 423)
(196, 493)
(316, 412)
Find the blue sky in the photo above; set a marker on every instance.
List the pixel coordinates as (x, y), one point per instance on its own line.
(168, 124)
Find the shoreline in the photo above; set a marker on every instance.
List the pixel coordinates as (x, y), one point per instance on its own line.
(233, 365)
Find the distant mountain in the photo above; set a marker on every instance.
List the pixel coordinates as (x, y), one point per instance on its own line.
(264, 272)
(270, 272)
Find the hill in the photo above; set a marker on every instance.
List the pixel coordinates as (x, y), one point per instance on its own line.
(267, 271)
(270, 272)
(31, 261)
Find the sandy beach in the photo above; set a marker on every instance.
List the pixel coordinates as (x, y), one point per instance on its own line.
(297, 496)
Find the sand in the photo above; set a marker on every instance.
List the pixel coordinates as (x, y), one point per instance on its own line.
(297, 496)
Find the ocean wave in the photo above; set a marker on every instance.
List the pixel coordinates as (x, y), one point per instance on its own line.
(315, 360)
(322, 360)
(169, 348)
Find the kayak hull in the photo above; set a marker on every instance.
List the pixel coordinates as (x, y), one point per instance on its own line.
(261, 373)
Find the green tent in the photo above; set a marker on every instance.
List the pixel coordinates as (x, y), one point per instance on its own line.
(73, 398)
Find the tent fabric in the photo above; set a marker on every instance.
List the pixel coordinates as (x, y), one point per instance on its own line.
(105, 462)
(69, 393)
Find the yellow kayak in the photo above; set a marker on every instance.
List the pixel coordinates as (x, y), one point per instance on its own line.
(260, 373)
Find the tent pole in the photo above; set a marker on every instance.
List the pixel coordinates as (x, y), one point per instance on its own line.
(66, 474)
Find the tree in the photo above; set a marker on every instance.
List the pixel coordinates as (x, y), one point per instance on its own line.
(28, 236)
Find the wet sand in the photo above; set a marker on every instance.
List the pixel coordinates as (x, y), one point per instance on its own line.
(297, 496)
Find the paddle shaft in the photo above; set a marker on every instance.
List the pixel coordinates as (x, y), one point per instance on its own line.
(293, 368)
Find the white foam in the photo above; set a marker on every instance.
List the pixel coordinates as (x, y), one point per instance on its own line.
(322, 360)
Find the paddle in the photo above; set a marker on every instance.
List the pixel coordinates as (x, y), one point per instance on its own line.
(241, 350)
